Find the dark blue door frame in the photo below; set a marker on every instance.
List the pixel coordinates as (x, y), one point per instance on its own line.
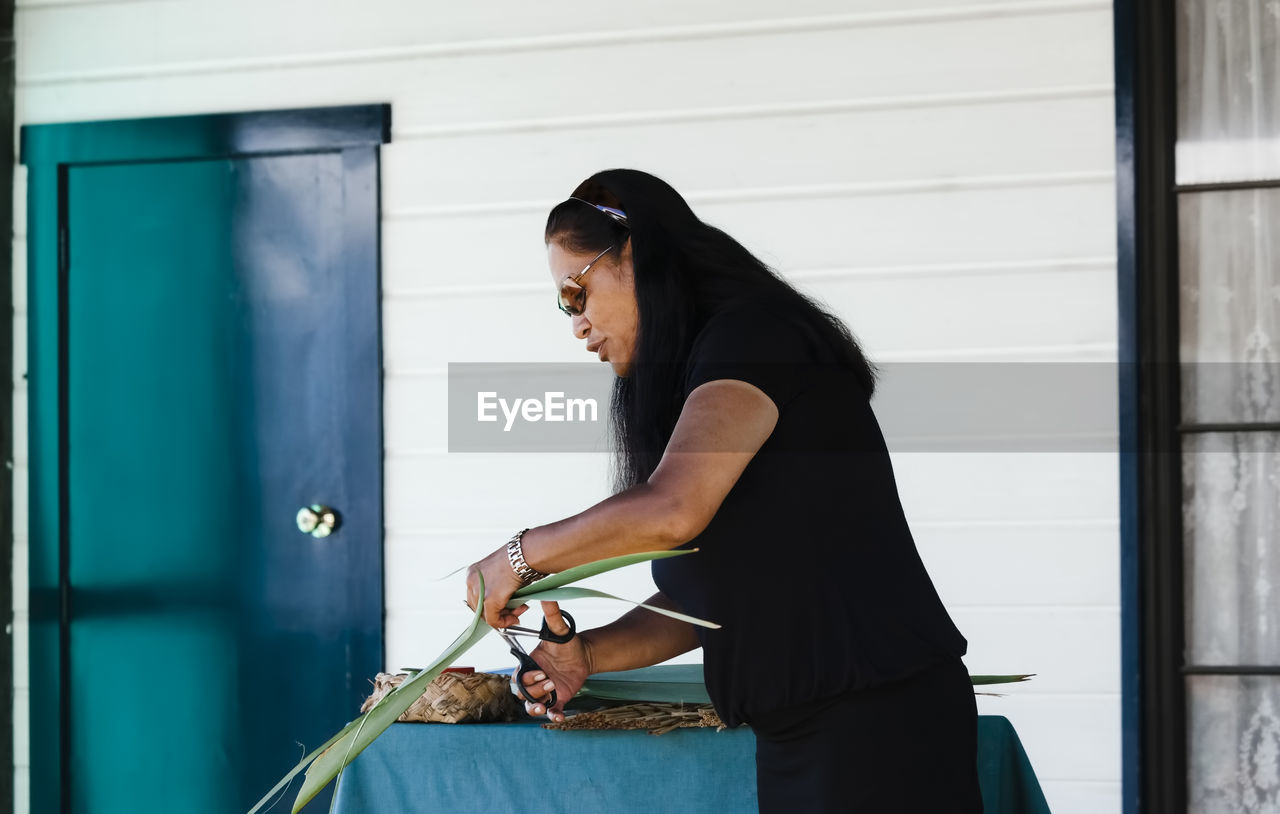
(1140, 121)
(1125, 54)
(1127, 353)
(50, 151)
(1153, 696)
(1154, 663)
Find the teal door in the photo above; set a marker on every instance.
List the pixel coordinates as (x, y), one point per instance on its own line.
(204, 364)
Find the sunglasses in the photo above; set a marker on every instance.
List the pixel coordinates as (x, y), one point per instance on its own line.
(572, 297)
(617, 214)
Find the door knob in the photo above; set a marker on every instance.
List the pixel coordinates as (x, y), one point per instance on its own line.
(317, 520)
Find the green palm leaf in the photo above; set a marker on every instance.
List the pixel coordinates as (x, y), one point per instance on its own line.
(373, 723)
(326, 762)
(588, 593)
(667, 683)
(1011, 679)
(302, 764)
(598, 567)
(682, 683)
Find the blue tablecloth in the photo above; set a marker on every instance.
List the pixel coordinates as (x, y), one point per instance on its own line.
(525, 769)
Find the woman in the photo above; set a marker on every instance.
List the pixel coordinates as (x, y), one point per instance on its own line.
(742, 420)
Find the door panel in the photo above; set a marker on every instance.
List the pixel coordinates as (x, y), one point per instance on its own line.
(222, 372)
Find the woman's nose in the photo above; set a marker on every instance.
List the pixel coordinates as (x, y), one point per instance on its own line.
(581, 327)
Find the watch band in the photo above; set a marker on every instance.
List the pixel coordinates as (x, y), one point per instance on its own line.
(524, 572)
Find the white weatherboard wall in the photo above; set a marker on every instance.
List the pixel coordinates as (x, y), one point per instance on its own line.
(939, 172)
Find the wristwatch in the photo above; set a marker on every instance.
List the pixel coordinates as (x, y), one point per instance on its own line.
(524, 572)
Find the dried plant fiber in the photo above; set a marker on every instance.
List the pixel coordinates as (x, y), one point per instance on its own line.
(658, 718)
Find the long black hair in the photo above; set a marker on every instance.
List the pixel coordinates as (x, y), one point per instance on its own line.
(685, 271)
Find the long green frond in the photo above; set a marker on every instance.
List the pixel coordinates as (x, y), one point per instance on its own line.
(589, 593)
(302, 764)
(599, 567)
(355, 738)
(1010, 679)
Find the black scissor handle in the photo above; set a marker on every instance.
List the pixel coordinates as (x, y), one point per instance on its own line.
(558, 638)
(528, 665)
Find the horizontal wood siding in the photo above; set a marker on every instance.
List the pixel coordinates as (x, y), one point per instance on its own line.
(941, 174)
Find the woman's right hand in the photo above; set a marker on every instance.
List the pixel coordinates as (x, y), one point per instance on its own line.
(565, 667)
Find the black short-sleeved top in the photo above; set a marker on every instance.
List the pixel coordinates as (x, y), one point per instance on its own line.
(808, 564)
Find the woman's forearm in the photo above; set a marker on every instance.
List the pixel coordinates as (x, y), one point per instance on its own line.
(721, 426)
(635, 520)
(640, 638)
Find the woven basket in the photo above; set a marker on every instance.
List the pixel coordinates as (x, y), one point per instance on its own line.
(454, 698)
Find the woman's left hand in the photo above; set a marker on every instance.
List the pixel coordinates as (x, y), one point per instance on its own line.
(500, 583)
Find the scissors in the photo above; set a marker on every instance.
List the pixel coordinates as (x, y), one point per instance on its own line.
(527, 664)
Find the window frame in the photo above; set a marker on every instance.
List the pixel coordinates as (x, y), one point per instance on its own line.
(1153, 667)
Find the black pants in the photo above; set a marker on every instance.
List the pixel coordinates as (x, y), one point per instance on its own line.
(910, 747)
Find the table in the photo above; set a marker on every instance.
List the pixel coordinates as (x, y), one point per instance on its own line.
(521, 767)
